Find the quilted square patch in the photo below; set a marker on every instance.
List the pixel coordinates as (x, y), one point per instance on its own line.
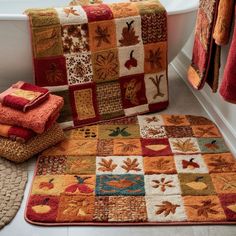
(123, 147)
(212, 145)
(203, 208)
(84, 102)
(190, 164)
(42, 208)
(109, 100)
(165, 208)
(105, 147)
(133, 90)
(162, 185)
(228, 202)
(105, 66)
(131, 60)
(155, 58)
(98, 12)
(128, 31)
(65, 113)
(127, 209)
(159, 165)
(127, 184)
(151, 131)
(184, 145)
(72, 15)
(102, 35)
(198, 120)
(196, 184)
(175, 120)
(118, 131)
(156, 147)
(52, 165)
(153, 119)
(119, 165)
(53, 70)
(86, 132)
(205, 131)
(74, 208)
(156, 87)
(47, 41)
(224, 182)
(75, 38)
(79, 68)
(124, 9)
(220, 162)
(81, 165)
(178, 131)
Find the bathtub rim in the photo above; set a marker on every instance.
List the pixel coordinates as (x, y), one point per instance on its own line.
(22, 17)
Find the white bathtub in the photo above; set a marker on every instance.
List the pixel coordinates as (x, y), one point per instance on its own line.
(15, 49)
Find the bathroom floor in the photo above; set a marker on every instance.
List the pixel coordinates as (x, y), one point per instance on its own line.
(181, 101)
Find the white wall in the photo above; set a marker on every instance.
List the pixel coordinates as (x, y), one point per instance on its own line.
(223, 112)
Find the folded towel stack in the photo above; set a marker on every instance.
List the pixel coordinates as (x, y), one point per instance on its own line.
(28, 117)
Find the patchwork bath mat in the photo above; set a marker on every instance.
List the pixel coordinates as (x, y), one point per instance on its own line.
(106, 60)
(154, 169)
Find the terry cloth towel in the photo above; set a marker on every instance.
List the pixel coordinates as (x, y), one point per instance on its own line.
(23, 96)
(228, 85)
(16, 133)
(38, 119)
(19, 152)
(224, 20)
(205, 51)
(106, 60)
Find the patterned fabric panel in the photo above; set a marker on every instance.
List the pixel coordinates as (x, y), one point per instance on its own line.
(105, 60)
(154, 169)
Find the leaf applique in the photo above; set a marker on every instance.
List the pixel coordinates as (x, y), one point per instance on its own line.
(116, 132)
(209, 131)
(152, 119)
(127, 147)
(175, 120)
(131, 165)
(166, 208)
(161, 164)
(163, 184)
(106, 165)
(131, 89)
(78, 207)
(155, 132)
(54, 74)
(128, 35)
(184, 145)
(69, 11)
(227, 183)
(155, 58)
(102, 36)
(121, 183)
(156, 81)
(205, 208)
(218, 163)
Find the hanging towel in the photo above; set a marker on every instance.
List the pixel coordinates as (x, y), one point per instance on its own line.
(228, 85)
(16, 133)
(205, 50)
(38, 119)
(23, 96)
(224, 22)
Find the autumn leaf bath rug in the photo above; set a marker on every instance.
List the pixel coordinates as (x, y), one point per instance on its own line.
(106, 60)
(150, 169)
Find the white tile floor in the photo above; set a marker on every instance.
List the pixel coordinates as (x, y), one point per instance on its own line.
(181, 101)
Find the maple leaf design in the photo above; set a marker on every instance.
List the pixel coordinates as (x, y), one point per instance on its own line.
(106, 165)
(152, 119)
(162, 184)
(155, 58)
(166, 208)
(184, 145)
(176, 120)
(205, 131)
(205, 208)
(127, 147)
(218, 163)
(131, 165)
(102, 35)
(69, 11)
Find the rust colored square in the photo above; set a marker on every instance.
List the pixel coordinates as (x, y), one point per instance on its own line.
(205, 131)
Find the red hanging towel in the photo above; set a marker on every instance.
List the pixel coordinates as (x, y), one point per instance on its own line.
(228, 85)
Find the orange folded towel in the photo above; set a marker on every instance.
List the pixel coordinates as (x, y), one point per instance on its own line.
(38, 119)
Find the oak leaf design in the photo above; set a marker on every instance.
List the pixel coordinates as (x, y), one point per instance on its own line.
(175, 120)
(106, 165)
(166, 208)
(131, 165)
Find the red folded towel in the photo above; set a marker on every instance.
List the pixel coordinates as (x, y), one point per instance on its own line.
(228, 85)
(16, 133)
(38, 119)
(23, 96)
